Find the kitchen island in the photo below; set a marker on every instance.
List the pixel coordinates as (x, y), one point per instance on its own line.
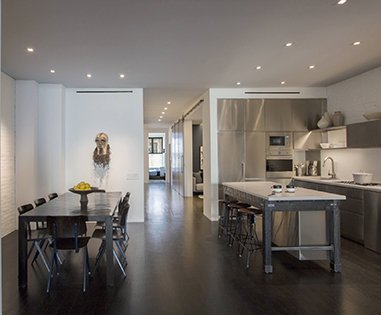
(259, 194)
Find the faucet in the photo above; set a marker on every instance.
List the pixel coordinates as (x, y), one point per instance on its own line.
(333, 174)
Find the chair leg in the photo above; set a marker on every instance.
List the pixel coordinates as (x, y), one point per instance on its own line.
(40, 245)
(85, 269)
(122, 252)
(119, 263)
(100, 254)
(40, 252)
(50, 275)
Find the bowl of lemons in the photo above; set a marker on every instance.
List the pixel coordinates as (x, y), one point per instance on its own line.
(83, 189)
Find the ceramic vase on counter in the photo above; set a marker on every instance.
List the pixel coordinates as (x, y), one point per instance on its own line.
(338, 119)
(325, 121)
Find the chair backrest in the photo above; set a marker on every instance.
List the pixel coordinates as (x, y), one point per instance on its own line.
(126, 198)
(63, 227)
(40, 201)
(25, 208)
(52, 196)
(123, 213)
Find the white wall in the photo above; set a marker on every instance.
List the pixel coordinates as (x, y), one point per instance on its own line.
(26, 141)
(51, 139)
(8, 189)
(354, 97)
(120, 115)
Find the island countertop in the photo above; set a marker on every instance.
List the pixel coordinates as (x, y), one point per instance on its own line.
(263, 189)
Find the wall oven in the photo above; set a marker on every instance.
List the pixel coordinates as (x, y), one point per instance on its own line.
(279, 143)
(279, 166)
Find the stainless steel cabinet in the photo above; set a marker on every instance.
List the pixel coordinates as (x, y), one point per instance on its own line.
(255, 159)
(372, 224)
(306, 113)
(231, 114)
(231, 156)
(255, 115)
(278, 115)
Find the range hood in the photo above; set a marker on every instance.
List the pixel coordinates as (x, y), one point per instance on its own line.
(364, 135)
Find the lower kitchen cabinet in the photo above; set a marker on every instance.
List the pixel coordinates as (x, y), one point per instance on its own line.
(372, 224)
(351, 209)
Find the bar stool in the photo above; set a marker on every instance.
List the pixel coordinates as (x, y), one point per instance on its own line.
(247, 234)
(223, 222)
(234, 218)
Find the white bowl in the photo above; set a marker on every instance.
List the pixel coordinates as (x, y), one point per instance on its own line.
(290, 190)
(362, 178)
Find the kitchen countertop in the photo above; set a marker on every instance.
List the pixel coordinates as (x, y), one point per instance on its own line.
(263, 190)
(336, 182)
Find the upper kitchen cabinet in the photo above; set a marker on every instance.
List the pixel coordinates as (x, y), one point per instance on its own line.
(255, 115)
(231, 114)
(278, 114)
(306, 113)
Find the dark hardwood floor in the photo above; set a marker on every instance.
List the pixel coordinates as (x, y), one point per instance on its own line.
(177, 265)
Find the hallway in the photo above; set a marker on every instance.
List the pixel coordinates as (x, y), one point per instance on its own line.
(177, 265)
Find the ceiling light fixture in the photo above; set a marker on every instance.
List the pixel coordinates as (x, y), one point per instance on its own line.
(312, 67)
(89, 75)
(356, 43)
(121, 75)
(159, 120)
(52, 71)
(162, 113)
(289, 44)
(238, 83)
(30, 49)
(165, 108)
(258, 68)
(341, 1)
(160, 116)
(283, 82)
(169, 103)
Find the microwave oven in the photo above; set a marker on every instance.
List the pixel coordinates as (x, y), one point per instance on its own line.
(279, 143)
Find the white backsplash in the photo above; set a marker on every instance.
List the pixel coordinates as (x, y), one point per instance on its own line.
(348, 161)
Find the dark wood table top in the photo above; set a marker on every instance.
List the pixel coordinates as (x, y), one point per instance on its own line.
(68, 204)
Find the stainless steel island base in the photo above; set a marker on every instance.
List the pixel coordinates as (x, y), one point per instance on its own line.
(259, 194)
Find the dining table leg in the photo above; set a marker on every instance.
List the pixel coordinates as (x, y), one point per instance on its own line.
(109, 253)
(335, 256)
(267, 236)
(23, 255)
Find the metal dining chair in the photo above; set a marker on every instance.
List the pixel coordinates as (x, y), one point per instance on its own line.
(120, 238)
(37, 237)
(52, 196)
(68, 233)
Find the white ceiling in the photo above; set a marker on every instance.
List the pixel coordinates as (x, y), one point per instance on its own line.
(177, 49)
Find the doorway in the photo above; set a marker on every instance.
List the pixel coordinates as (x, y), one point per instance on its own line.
(156, 156)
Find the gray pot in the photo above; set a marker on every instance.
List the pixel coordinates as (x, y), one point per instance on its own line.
(338, 119)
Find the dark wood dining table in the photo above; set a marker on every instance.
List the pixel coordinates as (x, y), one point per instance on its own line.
(101, 207)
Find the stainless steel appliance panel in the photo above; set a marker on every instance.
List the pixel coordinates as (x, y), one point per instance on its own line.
(255, 115)
(255, 160)
(231, 114)
(372, 220)
(307, 112)
(352, 225)
(231, 156)
(278, 114)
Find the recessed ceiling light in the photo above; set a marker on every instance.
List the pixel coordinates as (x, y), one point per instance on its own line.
(312, 67)
(289, 44)
(162, 113)
(30, 49)
(52, 71)
(356, 43)
(238, 83)
(160, 116)
(258, 68)
(121, 75)
(169, 103)
(283, 82)
(165, 108)
(341, 1)
(89, 75)
(159, 120)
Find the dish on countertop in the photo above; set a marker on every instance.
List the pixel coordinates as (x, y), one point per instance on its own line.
(371, 116)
